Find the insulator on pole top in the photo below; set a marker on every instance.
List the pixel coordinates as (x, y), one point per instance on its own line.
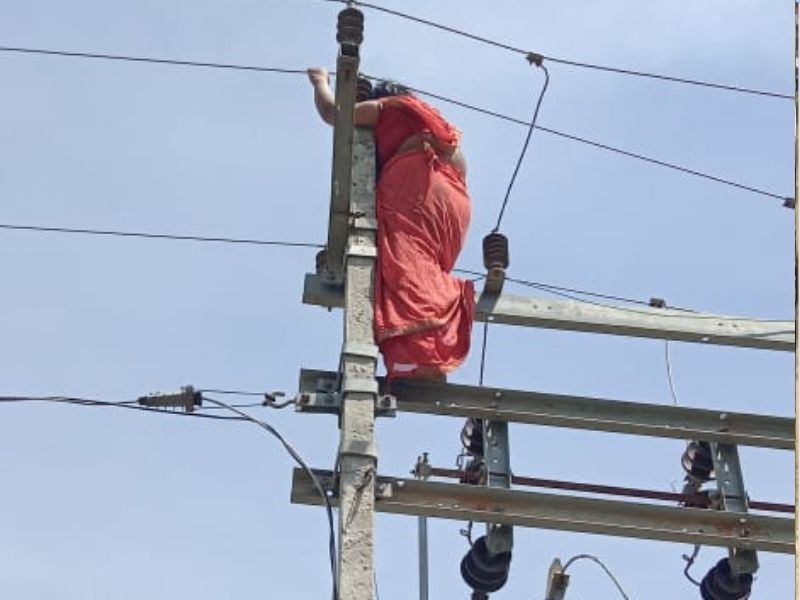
(496, 261)
(350, 30)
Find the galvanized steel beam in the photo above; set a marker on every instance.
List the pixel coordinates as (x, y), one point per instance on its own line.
(576, 412)
(569, 513)
(569, 315)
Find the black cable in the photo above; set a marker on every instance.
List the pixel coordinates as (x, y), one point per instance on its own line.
(524, 147)
(123, 405)
(419, 91)
(483, 352)
(241, 416)
(599, 145)
(314, 480)
(572, 63)
(161, 61)
(162, 236)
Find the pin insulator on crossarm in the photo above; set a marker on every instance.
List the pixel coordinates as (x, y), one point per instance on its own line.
(496, 260)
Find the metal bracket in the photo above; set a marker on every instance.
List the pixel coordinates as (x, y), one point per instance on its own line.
(362, 250)
(361, 349)
(733, 497)
(366, 448)
(319, 392)
(499, 538)
(360, 385)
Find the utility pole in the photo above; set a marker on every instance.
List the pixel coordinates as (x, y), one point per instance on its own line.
(345, 279)
(796, 288)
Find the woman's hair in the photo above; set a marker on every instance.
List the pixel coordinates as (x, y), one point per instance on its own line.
(387, 87)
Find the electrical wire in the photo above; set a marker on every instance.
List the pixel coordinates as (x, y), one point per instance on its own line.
(602, 566)
(241, 416)
(669, 374)
(314, 480)
(524, 147)
(161, 236)
(689, 562)
(565, 292)
(601, 146)
(483, 351)
(160, 61)
(452, 101)
(573, 63)
(102, 403)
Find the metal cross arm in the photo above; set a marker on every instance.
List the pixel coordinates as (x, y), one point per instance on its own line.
(558, 410)
(569, 315)
(565, 512)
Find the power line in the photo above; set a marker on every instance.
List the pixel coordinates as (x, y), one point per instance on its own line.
(601, 146)
(240, 416)
(566, 292)
(160, 61)
(312, 476)
(572, 63)
(524, 146)
(596, 560)
(161, 236)
(465, 105)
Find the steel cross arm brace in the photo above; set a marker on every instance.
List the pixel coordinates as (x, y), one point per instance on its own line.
(730, 484)
(574, 412)
(564, 512)
(658, 323)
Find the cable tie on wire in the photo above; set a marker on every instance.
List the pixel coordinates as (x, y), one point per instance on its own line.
(658, 303)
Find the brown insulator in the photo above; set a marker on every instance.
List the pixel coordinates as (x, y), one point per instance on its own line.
(350, 30)
(496, 260)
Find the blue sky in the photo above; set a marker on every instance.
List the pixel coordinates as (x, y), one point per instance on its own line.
(104, 504)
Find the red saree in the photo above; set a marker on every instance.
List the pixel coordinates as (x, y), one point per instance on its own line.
(423, 315)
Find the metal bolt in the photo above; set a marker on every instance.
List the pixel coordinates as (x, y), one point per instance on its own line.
(386, 402)
(304, 399)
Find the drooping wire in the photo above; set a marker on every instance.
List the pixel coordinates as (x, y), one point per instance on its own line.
(575, 138)
(689, 562)
(669, 374)
(483, 351)
(602, 566)
(572, 63)
(314, 480)
(601, 146)
(161, 236)
(524, 146)
(240, 416)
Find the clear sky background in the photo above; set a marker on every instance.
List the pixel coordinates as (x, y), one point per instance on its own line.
(98, 503)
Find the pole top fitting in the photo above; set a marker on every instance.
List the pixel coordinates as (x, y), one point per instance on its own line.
(350, 30)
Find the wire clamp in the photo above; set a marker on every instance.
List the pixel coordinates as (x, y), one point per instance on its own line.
(535, 58)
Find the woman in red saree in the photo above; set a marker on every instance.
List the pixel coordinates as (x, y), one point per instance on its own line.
(423, 314)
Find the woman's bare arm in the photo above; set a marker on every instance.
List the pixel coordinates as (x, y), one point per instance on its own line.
(366, 113)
